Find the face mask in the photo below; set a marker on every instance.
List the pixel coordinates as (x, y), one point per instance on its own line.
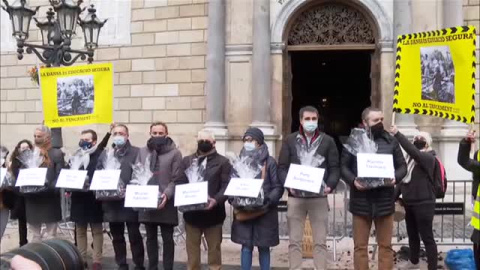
(156, 143)
(85, 145)
(205, 146)
(310, 126)
(119, 140)
(419, 144)
(377, 129)
(249, 146)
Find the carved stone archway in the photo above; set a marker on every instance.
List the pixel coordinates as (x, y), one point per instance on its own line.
(331, 24)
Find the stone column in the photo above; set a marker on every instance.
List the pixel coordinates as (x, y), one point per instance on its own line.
(452, 132)
(402, 19)
(216, 88)
(262, 71)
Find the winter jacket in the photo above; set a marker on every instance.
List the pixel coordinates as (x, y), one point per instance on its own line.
(45, 207)
(167, 169)
(262, 231)
(469, 164)
(380, 201)
(327, 149)
(420, 189)
(85, 208)
(217, 173)
(114, 211)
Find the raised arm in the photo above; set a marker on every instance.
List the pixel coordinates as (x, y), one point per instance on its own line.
(399, 163)
(425, 159)
(464, 159)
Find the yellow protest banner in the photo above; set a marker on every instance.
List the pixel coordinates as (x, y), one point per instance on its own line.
(435, 74)
(78, 95)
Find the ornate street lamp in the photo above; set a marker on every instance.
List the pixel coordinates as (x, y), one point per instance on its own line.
(56, 33)
(56, 36)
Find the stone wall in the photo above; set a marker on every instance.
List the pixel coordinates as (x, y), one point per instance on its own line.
(159, 77)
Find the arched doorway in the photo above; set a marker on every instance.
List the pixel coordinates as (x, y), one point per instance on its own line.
(331, 62)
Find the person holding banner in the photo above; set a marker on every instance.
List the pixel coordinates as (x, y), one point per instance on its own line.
(85, 209)
(418, 197)
(45, 207)
(206, 222)
(165, 161)
(373, 205)
(115, 212)
(258, 228)
(472, 165)
(17, 198)
(310, 138)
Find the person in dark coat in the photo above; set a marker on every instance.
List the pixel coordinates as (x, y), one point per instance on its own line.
(309, 139)
(472, 165)
(261, 232)
(373, 205)
(85, 209)
(418, 197)
(206, 222)
(114, 211)
(14, 197)
(45, 207)
(165, 160)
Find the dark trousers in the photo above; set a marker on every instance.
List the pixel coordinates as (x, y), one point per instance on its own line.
(120, 247)
(152, 245)
(419, 219)
(22, 231)
(476, 254)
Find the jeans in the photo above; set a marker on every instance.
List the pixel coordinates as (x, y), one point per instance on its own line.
(152, 245)
(419, 221)
(246, 258)
(120, 247)
(476, 254)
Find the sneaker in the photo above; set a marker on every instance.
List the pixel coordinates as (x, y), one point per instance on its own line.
(96, 266)
(408, 265)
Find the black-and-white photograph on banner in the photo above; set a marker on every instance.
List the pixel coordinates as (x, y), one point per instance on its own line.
(438, 74)
(75, 95)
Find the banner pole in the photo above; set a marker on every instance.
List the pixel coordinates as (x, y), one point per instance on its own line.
(393, 118)
(474, 146)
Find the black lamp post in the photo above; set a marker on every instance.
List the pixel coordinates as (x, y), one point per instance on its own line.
(56, 36)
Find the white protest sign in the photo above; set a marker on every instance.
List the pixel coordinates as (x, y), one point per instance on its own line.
(105, 180)
(244, 187)
(305, 178)
(3, 173)
(74, 179)
(375, 165)
(141, 196)
(32, 177)
(189, 194)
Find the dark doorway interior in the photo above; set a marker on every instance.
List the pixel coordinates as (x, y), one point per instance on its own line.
(337, 83)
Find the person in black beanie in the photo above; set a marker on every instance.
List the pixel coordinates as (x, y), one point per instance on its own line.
(258, 228)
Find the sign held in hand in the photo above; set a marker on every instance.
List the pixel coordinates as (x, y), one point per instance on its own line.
(375, 165)
(105, 180)
(243, 187)
(71, 179)
(305, 178)
(141, 196)
(32, 177)
(189, 194)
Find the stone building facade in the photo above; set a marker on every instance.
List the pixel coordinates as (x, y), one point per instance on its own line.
(230, 64)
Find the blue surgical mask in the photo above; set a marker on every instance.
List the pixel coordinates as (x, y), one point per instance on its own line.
(249, 146)
(119, 140)
(310, 126)
(85, 145)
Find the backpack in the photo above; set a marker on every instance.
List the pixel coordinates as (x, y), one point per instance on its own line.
(439, 179)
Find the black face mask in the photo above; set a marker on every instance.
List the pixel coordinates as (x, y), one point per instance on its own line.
(377, 129)
(205, 146)
(420, 144)
(85, 145)
(157, 143)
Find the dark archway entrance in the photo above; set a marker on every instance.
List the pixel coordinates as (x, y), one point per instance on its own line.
(337, 83)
